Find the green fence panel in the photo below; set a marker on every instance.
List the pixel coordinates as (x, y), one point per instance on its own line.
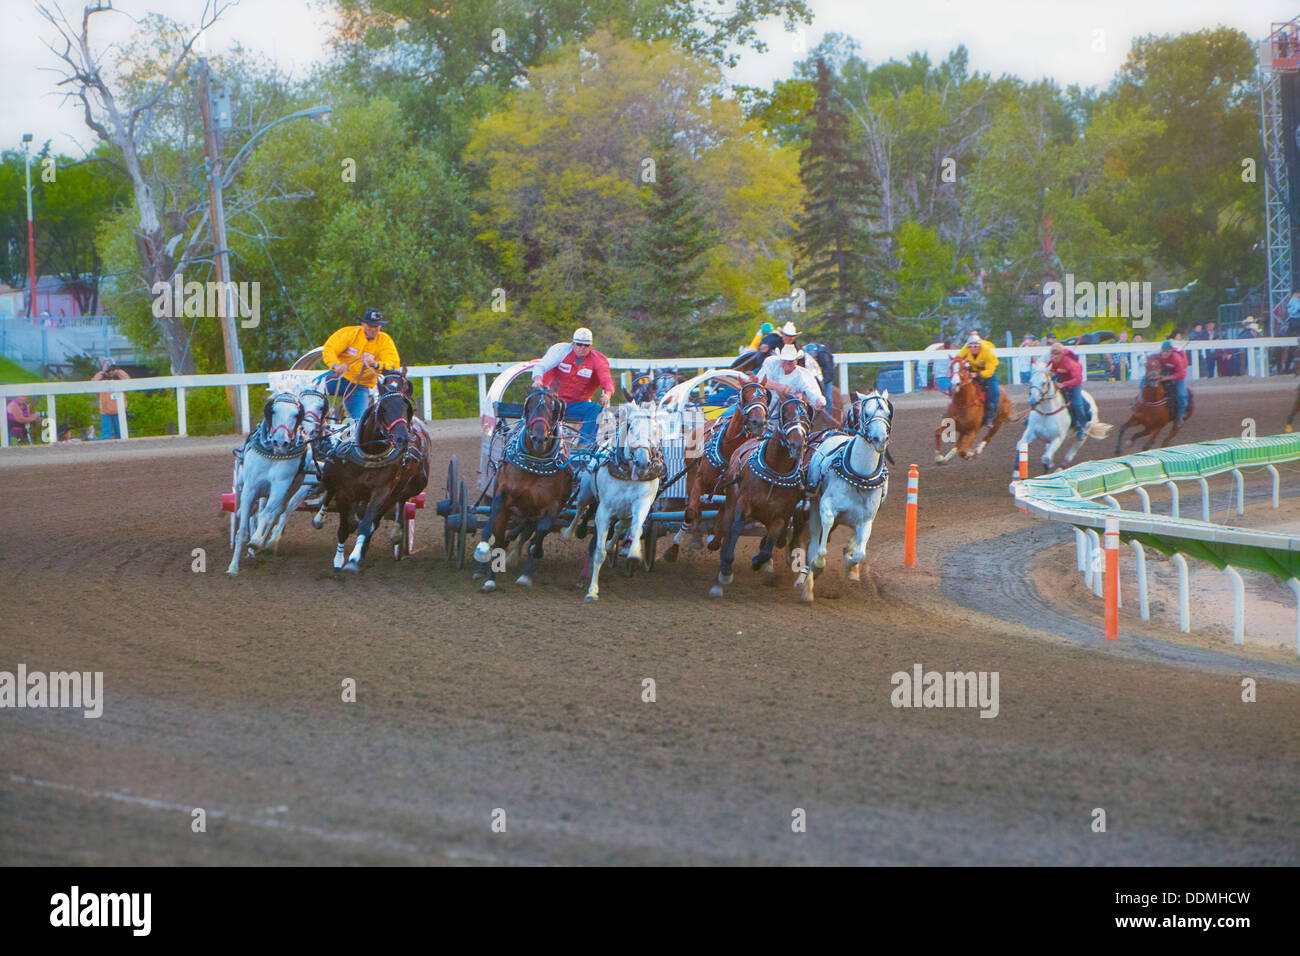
(1144, 467)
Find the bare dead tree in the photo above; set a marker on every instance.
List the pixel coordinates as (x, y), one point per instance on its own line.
(124, 121)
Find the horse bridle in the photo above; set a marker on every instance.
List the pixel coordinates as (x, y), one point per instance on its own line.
(878, 415)
(800, 423)
(317, 417)
(283, 398)
(553, 413)
(747, 407)
(648, 413)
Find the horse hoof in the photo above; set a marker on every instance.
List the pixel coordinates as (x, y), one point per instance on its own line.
(317, 523)
(671, 553)
(591, 597)
(805, 598)
(525, 580)
(715, 591)
(489, 585)
(482, 553)
(353, 566)
(233, 572)
(725, 578)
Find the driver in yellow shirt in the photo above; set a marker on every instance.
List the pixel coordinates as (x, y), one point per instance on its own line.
(353, 353)
(981, 356)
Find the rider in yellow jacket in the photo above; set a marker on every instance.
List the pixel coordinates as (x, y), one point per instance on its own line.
(353, 353)
(983, 358)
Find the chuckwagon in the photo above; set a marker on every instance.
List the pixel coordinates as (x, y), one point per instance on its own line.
(293, 381)
(686, 406)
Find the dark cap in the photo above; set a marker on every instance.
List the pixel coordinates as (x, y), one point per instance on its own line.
(374, 317)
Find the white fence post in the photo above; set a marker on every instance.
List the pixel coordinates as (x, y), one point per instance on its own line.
(1080, 549)
(53, 419)
(1205, 499)
(1143, 607)
(909, 370)
(843, 373)
(243, 410)
(1146, 499)
(1294, 585)
(1241, 490)
(123, 431)
(1095, 558)
(426, 392)
(1277, 484)
(1184, 612)
(182, 423)
(1173, 498)
(1238, 604)
(483, 408)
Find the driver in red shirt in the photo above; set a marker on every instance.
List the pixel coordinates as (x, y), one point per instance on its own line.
(577, 371)
(1068, 372)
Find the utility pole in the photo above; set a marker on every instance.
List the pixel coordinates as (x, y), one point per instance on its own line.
(217, 216)
(31, 240)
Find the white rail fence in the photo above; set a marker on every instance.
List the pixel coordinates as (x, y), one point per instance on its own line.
(1017, 360)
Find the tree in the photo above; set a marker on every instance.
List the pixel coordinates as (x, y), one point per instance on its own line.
(564, 162)
(67, 210)
(841, 262)
(671, 251)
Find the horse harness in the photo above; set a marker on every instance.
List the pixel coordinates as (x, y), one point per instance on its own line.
(839, 461)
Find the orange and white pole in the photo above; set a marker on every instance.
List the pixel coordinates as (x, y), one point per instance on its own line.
(1111, 583)
(1022, 469)
(909, 537)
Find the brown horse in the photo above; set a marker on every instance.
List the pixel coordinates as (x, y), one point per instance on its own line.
(966, 410)
(386, 466)
(532, 485)
(1151, 410)
(764, 482)
(717, 442)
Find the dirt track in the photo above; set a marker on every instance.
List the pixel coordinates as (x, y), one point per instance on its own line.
(225, 694)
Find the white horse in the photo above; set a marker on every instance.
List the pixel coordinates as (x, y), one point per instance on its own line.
(270, 464)
(625, 485)
(315, 404)
(849, 483)
(1049, 417)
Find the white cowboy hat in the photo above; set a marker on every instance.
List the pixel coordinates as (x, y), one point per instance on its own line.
(582, 336)
(974, 339)
(789, 353)
(788, 329)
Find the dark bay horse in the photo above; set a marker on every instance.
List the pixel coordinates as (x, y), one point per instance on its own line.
(764, 482)
(532, 485)
(377, 474)
(1151, 409)
(716, 442)
(966, 409)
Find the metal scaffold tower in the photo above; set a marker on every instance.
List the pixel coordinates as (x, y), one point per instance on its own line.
(1279, 54)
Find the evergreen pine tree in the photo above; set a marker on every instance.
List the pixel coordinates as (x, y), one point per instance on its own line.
(841, 258)
(670, 258)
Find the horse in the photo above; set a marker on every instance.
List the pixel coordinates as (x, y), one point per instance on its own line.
(1151, 408)
(718, 440)
(625, 483)
(966, 410)
(764, 483)
(271, 462)
(848, 482)
(315, 406)
(387, 465)
(1049, 417)
(532, 485)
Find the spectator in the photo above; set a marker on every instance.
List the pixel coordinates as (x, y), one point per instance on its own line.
(107, 403)
(1137, 360)
(1292, 328)
(1028, 342)
(1118, 360)
(20, 415)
